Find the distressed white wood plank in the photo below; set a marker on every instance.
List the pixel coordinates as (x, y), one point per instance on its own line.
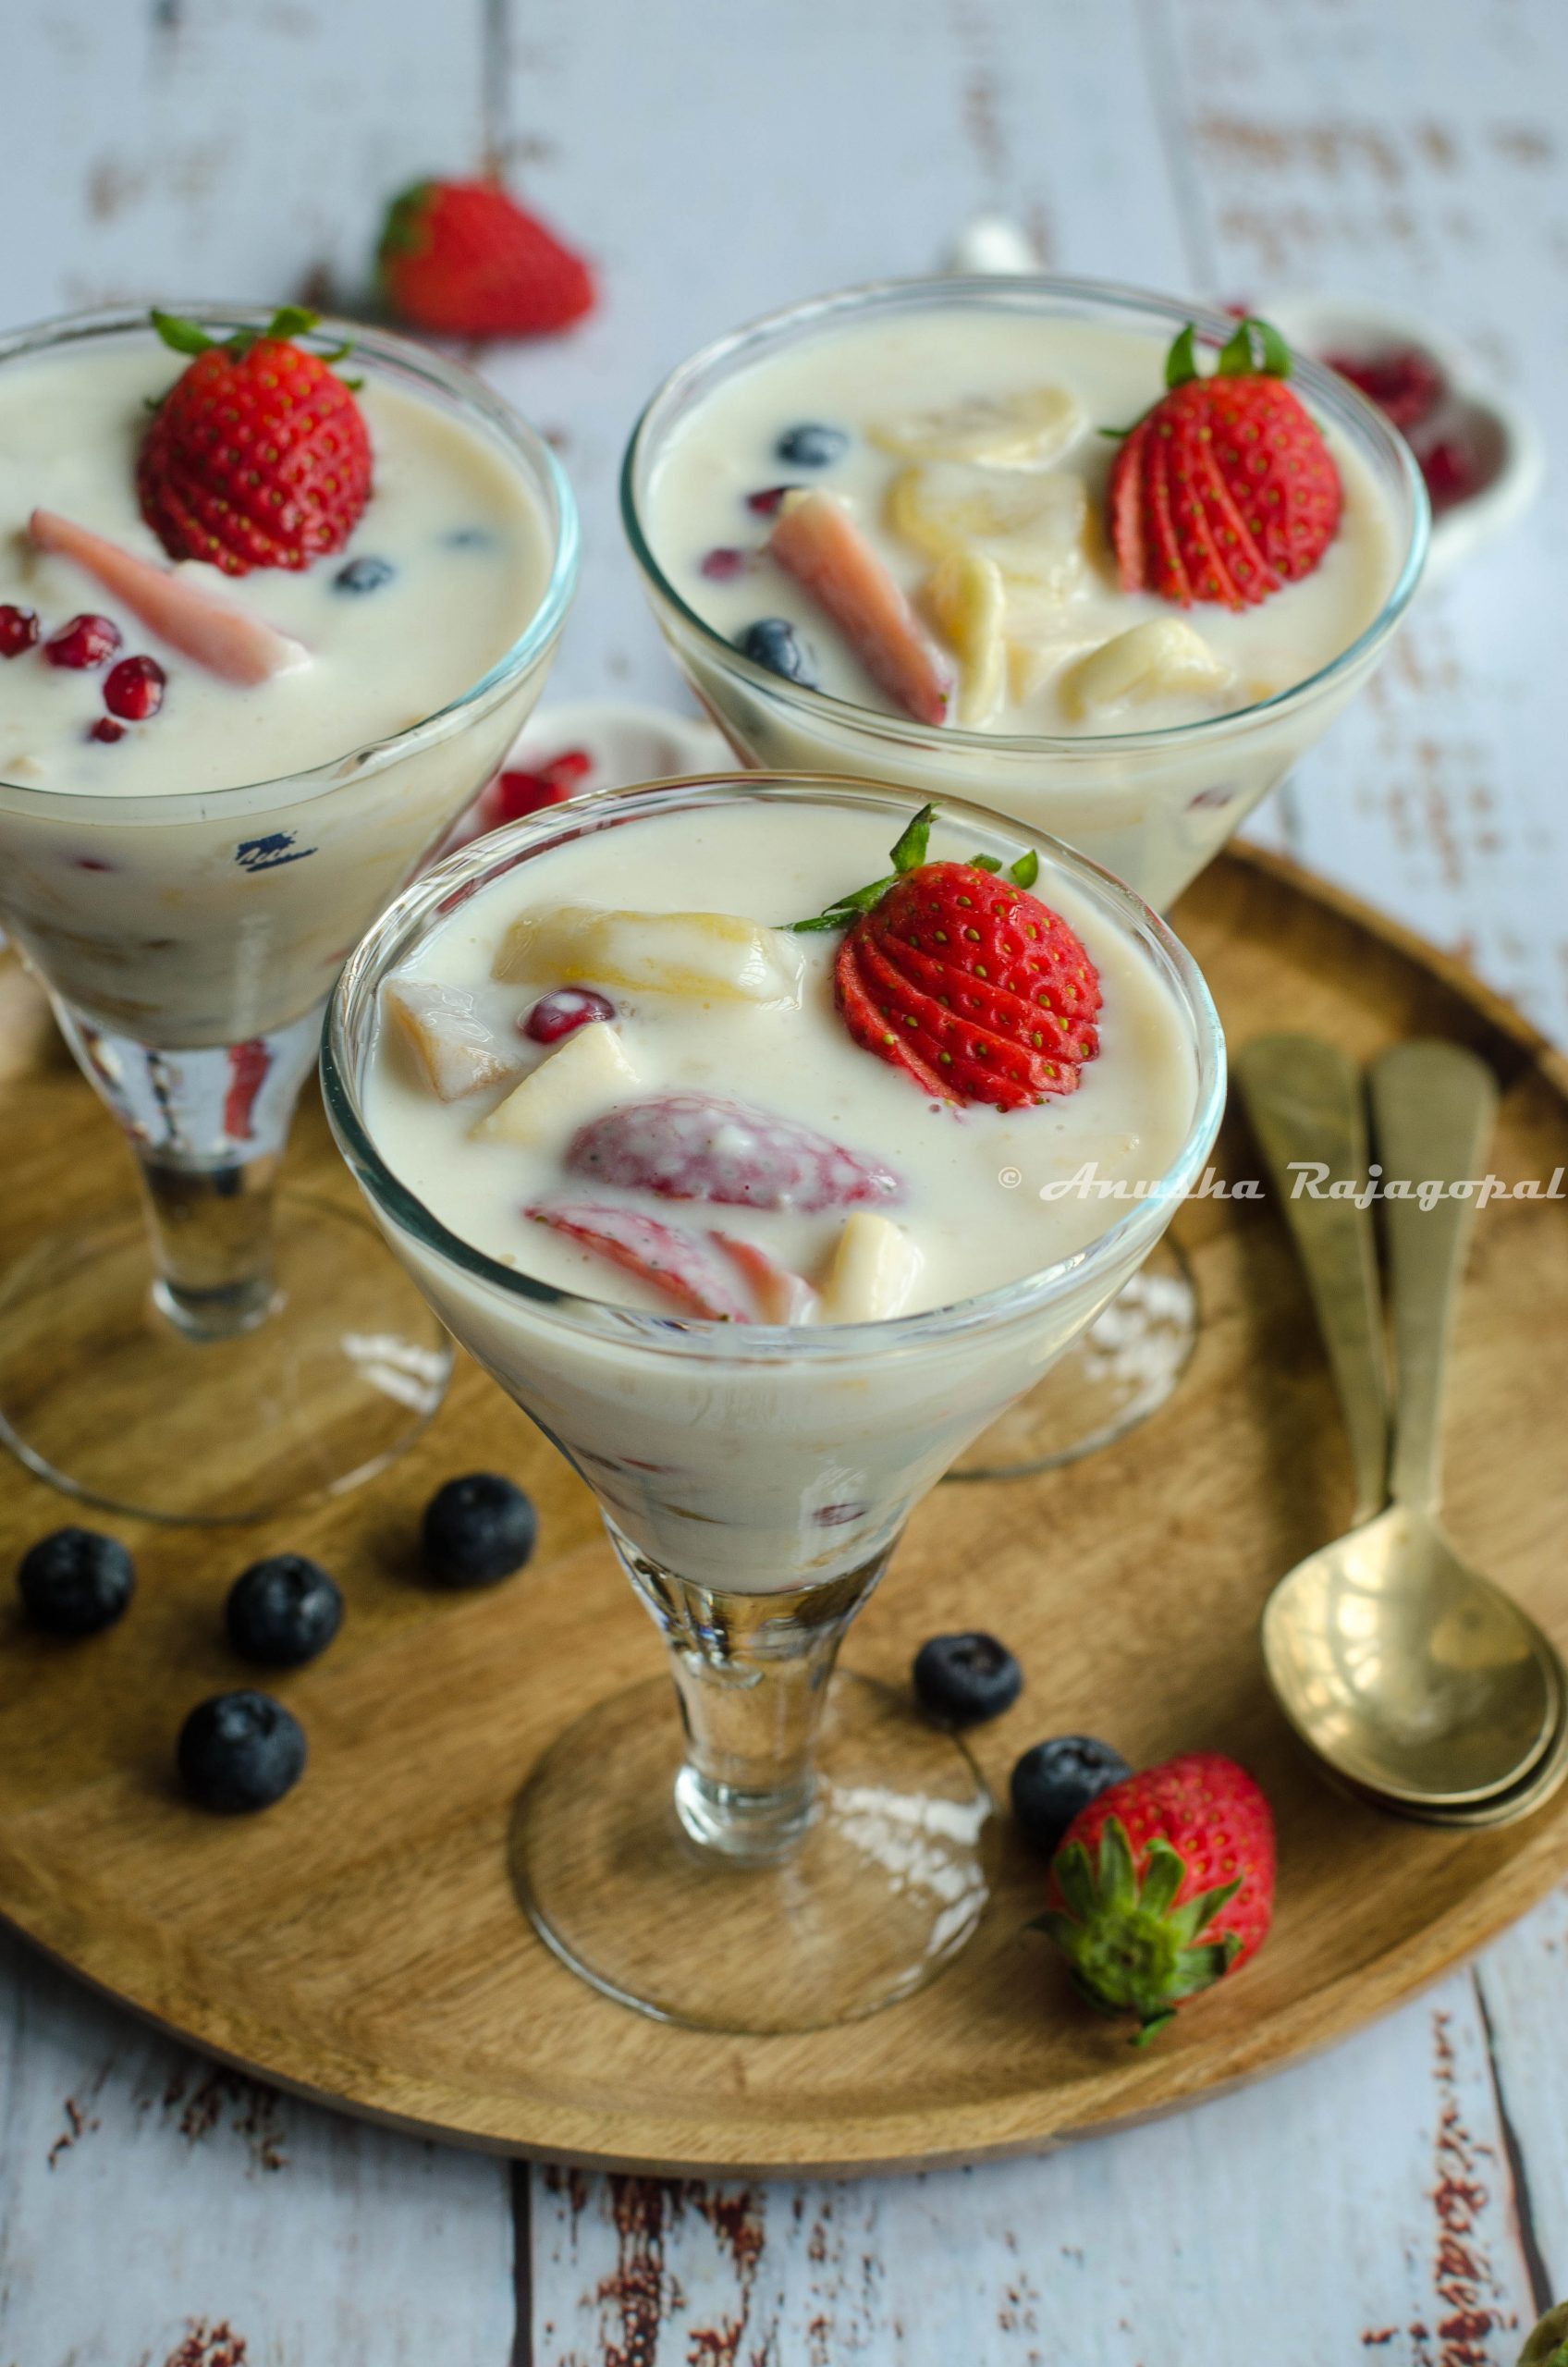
(145, 2193)
(1523, 1988)
(1388, 148)
(170, 148)
(1358, 2204)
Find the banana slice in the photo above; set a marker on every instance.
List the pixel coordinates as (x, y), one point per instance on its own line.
(968, 601)
(1162, 660)
(874, 1268)
(1034, 526)
(707, 956)
(1022, 431)
(585, 1073)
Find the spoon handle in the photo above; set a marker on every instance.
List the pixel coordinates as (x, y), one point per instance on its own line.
(1434, 1107)
(1304, 1098)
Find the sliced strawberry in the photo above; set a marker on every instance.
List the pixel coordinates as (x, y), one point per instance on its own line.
(696, 1147)
(818, 542)
(872, 1030)
(226, 640)
(977, 1065)
(1055, 1034)
(1126, 506)
(990, 932)
(782, 1296)
(1171, 579)
(685, 1266)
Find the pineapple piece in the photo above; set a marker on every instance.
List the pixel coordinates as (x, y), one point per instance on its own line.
(1165, 659)
(1036, 527)
(708, 957)
(1022, 431)
(587, 1071)
(873, 1273)
(457, 1049)
(968, 600)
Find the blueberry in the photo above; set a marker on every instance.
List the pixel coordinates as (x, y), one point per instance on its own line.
(469, 538)
(240, 1751)
(773, 641)
(283, 1611)
(1054, 1780)
(74, 1582)
(811, 445)
(963, 1679)
(478, 1531)
(364, 575)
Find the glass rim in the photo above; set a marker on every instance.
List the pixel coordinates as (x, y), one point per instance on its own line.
(459, 385)
(1345, 403)
(462, 874)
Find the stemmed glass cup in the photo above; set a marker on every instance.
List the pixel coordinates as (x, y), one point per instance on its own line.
(798, 1851)
(268, 1350)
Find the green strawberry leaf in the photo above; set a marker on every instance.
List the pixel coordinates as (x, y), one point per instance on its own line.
(1026, 870)
(907, 855)
(1256, 349)
(291, 321)
(1182, 361)
(984, 862)
(181, 337)
(910, 851)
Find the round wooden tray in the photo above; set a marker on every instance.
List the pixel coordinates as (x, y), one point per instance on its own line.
(362, 1941)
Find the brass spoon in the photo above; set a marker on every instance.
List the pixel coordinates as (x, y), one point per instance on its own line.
(1412, 1675)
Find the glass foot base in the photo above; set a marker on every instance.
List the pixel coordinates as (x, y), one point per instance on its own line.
(887, 1886)
(102, 1395)
(1123, 1368)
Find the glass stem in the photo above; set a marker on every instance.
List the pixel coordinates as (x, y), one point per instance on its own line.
(751, 1674)
(207, 1129)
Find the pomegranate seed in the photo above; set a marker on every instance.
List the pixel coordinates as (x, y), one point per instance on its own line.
(18, 631)
(85, 640)
(1453, 471)
(105, 730)
(562, 1013)
(1402, 383)
(134, 689)
(767, 501)
(720, 565)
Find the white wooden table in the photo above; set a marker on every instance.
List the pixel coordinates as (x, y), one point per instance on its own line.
(1407, 2198)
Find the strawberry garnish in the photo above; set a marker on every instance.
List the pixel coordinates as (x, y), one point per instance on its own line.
(258, 456)
(1226, 490)
(954, 973)
(1163, 1886)
(462, 259)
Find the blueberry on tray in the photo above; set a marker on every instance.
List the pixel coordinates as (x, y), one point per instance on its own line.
(963, 1680)
(283, 1612)
(239, 1752)
(478, 1531)
(76, 1582)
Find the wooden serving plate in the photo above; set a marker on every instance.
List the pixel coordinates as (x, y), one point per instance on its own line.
(361, 1942)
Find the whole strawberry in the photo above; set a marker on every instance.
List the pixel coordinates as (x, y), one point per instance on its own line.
(462, 259)
(954, 973)
(1163, 1886)
(1226, 490)
(258, 456)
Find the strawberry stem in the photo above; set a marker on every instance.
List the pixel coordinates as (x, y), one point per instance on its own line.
(1182, 361)
(907, 855)
(1255, 350)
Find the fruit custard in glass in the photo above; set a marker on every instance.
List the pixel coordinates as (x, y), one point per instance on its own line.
(269, 618)
(755, 1221)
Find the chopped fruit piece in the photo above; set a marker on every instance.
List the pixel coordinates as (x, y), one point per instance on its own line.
(250, 1065)
(686, 1267)
(967, 599)
(83, 643)
(695, 1147)
(478, 1531)
(364, 575)
(1225, 490)
(770, 499)
(1163, 658)
(461, 258)
(569, 1008)
(964, 1680)
(1164, 1884)
(705, 956)
(773, 643)
(1025, 430)
(876, 1266)
(441, 1025)
(1034, 526)
(106, 730)
(239, 647)
(1453, 472)
(283, 1612)
(818, 542)
(134, 689)
(811, 445)
(239, 1752)
(782, 1296)
(723, 564)
(258, 455)
(76, 1582)
(1055, 1781)
(18, 630)
(570, 1085)
(1404, 383)
(513, 794)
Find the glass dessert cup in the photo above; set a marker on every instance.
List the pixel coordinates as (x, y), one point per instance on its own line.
(802, 1849)
(1153, 807)
(268, 1351)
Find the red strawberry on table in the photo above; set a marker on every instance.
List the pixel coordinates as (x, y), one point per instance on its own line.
(1163, 1886)
(1226, 490)
(258, 456)
(462, 259)
(954, 973)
